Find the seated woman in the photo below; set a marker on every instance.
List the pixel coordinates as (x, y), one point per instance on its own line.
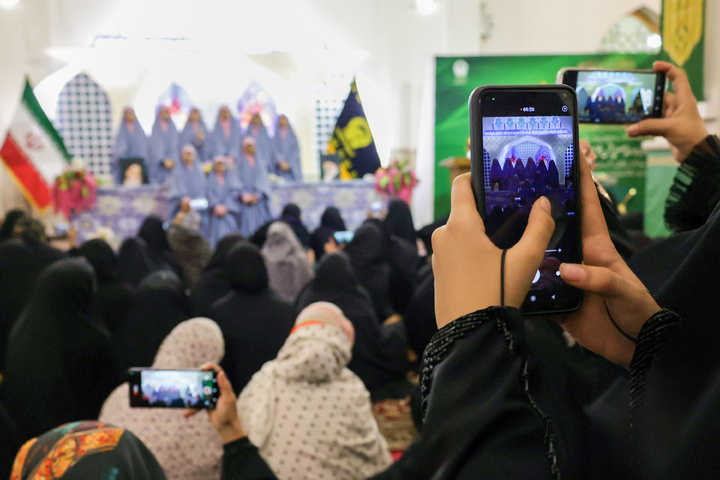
(164, 151)
(306, 412)
(254, 320)
(254, 187)
(223, 191)
(285, 151)
(86, 450)
(189, 345)
(380, 352)
(288, 267)
(330, 222)
(188, 183)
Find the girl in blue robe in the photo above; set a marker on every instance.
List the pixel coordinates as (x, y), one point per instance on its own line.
(164, 151)
(131, 142)
(196, 134)
(223, 206)
(188, 183)
(227, 137)
(263, 145)
(254, 189)
(286, 151)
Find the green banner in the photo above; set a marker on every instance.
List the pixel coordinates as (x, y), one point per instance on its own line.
(621, 161)
(683, 35)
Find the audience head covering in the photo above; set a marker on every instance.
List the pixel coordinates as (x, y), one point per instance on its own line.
(134, 261)
(245, 268)
(8, 225)
(330, 222)
(332, 217)
(400, 221)
(213, 283)
(288, 267)
(85, 450)
(291, 215)
(310, 375)
(102, 258)
(166, 433)
(153, 233)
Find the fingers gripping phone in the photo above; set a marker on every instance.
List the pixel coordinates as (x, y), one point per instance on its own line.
(524, 145)
(151, 388)
(616, 96)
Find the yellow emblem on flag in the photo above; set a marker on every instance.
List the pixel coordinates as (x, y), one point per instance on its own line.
(682, 28)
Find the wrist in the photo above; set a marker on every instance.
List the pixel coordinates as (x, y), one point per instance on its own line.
(231, 432)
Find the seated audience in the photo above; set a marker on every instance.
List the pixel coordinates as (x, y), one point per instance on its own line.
(161, 254)
(255, 322)
(306, 412)
(191, 248)
(189, 345)
(8, 229)
(287, 264)
(134, 261)
(291, 215)
(400, 222)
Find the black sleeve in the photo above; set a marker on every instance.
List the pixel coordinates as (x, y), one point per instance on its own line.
(696, 188)
(242, 461)
(479, 419)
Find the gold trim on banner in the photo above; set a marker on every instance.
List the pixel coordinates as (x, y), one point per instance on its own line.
(682, 28)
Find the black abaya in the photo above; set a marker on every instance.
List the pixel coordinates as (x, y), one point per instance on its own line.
(254, 320)
(60, 365)
(213, 283)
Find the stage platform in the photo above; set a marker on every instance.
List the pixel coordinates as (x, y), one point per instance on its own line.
(122, 209)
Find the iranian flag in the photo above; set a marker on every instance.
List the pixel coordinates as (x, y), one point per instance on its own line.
(33, 152)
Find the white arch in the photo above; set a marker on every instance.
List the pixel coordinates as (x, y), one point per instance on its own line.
(523, 139)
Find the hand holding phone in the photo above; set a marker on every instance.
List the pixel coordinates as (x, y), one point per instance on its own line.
(153, 388)
(524, 147)
(466, 263)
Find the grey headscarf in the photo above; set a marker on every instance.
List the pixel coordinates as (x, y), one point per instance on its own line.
(288, 267)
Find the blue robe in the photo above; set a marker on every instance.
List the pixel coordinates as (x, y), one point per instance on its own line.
(226, 195)
(204, 149)
(186, 183)
(227, 146)
(163, 145)
(128, 145)
(263, 144)
(254, 180)
(286, 149)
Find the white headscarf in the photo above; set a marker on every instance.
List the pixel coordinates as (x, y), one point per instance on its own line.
(186, 448)
(287, 264)
(306, 412)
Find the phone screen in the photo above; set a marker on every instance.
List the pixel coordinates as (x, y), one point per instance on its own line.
(343, 236)
(616, 96)
(151, 388)
(524, 147)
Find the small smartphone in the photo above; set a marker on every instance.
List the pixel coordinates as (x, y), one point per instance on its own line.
(199, 204)
(344, 236)
(151, 388)
(615, 96)
(524, 145)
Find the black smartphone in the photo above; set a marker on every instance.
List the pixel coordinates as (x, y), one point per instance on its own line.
(524, 145)
(616, 96)
(151, 388)
(344, 236)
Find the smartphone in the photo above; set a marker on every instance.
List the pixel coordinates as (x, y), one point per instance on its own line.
(524, 145)
(344, 236)
(616, 96)
(199, 204)
(151, 388)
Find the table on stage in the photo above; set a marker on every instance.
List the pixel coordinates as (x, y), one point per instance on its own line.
(122, 209)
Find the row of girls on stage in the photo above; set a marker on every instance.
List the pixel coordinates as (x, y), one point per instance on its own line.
(513, 174)
(161, 152)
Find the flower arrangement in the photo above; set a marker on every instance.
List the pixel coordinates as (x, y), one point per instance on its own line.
(396, 180)
(74, 191)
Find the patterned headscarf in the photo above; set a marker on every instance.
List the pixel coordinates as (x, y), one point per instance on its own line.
(306, 412)
(83, 450)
